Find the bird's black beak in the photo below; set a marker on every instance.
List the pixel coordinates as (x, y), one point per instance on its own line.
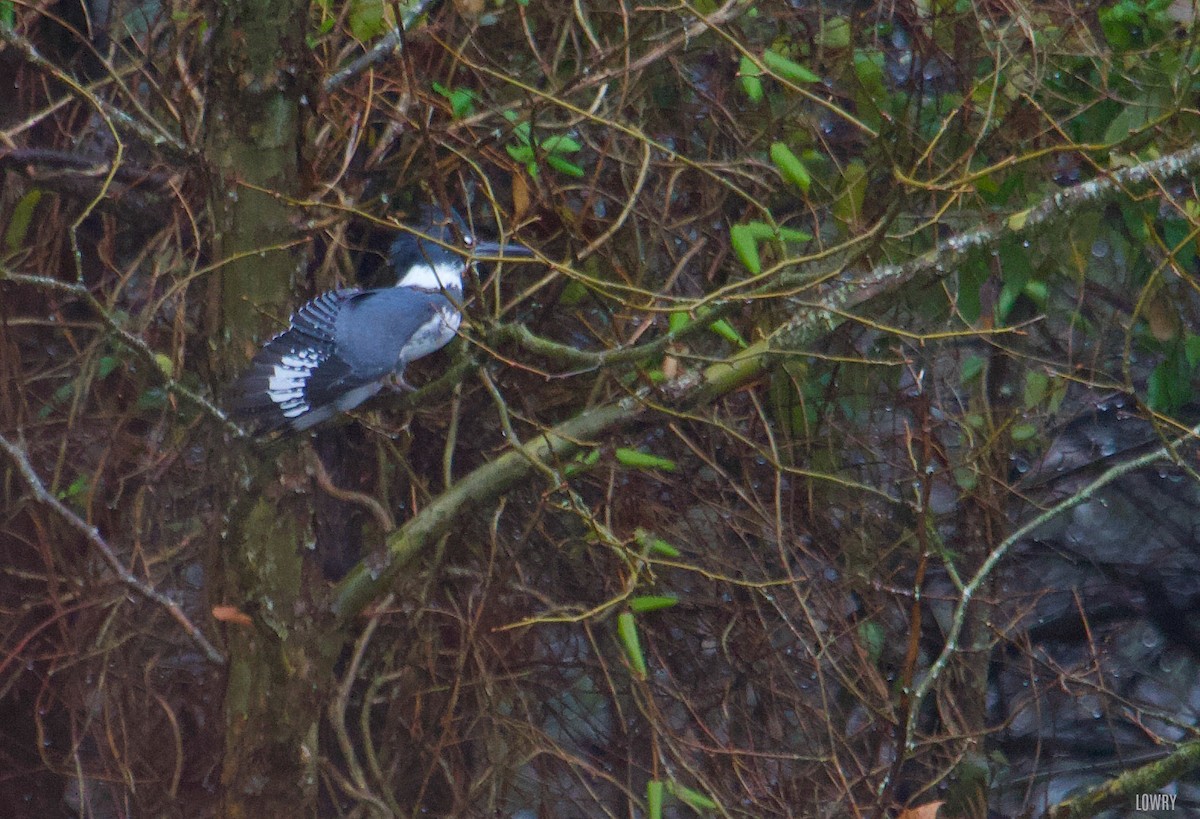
(496, 250)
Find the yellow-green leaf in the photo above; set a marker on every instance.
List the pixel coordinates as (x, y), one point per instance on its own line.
(1023, 432)
(627, 631)
(643, 460)
(654, 799)
(692, 798)
(564, 166)
(750, 75)
(790, 166)
(367, 19)
(560, 144)
(655, 545)
(745, 246)
(788, 69)
(22, 216)
(651, 602)
(165, 364)
(761, 231)
(1017, 220)
(521, 152)
(835, 32)
(1036, 386)
(849, 205)
(726, 331)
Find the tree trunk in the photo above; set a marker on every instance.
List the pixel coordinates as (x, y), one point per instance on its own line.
(280, 667)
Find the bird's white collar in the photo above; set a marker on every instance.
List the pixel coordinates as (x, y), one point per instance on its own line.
(438, 277)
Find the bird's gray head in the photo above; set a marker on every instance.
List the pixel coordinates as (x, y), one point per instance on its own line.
(438, 259)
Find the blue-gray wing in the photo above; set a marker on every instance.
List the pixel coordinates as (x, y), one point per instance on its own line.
(333, 357)
(382, 330)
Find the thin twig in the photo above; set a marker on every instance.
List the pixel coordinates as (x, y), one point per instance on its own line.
(921, 690)
(130, 340)
(388, 45)
(382, 517)
(92, 534)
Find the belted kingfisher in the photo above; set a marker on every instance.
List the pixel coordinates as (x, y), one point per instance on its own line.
(344, 346)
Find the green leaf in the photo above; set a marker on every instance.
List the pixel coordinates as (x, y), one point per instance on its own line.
(1036, 386)
(726, 331)
(1016, 267)
(848, 206)
(640, 605)
(636, 459)
(1023, 432)
(560, 144)
(108, 363)
(79, 486)
(582, 461)
(1169, 386)
(787, 234)
(873, 638)
(655, 545)
(22, 216)
(694, 799)
(1037, 291)
(790, 166)
(152, 399)
(868, 67)
(788, 69)
(677, 321)
(654, 799)
(750, 75)
(165, 364)
(523, 132)
(367, 19)
(972, 274)
(745, 246)
(564, 166)
(1006, 302)
(1191, 349)
(972, 366)
(761, 230)
(522, 153)
(462, 100)
(744, 240)
(573, 293)
(627, 631)
(835, 32)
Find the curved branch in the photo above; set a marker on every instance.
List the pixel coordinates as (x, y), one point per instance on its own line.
(809, 322)
(92, 535)
(1121, 790)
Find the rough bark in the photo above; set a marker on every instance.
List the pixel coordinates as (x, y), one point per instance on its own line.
(280, 665)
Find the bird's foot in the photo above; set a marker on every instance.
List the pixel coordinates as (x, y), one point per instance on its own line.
(396, 383)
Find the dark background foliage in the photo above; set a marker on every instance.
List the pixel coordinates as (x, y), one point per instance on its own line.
(951, 246)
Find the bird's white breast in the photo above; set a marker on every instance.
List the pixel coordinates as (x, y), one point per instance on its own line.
(432, 335)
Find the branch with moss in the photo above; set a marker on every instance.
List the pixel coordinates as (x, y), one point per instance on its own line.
(810, 321)
(1120, 791)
